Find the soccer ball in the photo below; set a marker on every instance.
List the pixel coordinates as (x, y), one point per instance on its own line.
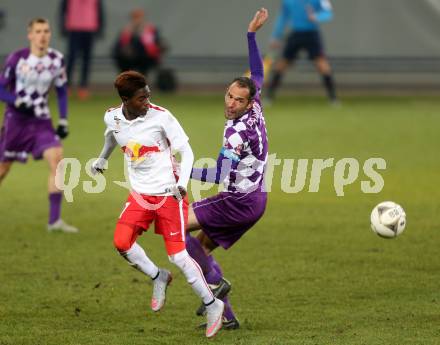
(388, 219)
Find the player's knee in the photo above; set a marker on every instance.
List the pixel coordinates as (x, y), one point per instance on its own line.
(121, 244)
(53, 156)
(53, 165)
(206, 243)
(323, 65)
(121, 240)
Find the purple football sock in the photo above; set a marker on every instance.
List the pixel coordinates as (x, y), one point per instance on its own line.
(54, 206)
(228, 313)
(196, 251)
(213, 276)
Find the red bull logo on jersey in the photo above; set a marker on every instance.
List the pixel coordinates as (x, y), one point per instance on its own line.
(138, 152)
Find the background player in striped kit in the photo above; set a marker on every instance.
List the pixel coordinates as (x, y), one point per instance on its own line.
(225, 217)
(27, 128)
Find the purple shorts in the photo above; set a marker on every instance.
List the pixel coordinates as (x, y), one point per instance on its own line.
(21, 135)
(225, 217)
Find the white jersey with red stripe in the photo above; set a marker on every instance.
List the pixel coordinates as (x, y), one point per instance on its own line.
(147, 143)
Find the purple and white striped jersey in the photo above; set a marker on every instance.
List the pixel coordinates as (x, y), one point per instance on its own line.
(245, 143)
(30, 78)
(242, 160)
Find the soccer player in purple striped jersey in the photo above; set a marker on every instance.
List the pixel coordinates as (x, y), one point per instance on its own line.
(25, 81)
(225, 217)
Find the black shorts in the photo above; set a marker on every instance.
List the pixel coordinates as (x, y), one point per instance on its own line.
(310, 41)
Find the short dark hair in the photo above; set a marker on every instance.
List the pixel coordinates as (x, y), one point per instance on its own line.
(37, 20)
(248, 83)
(128, 82)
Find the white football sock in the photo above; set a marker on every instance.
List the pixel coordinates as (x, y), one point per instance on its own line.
(138, 259)
(193, 274)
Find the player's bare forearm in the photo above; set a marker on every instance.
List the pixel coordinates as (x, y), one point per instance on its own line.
(259, 19)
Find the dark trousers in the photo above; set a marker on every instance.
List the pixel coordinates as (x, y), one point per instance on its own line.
(80, 44)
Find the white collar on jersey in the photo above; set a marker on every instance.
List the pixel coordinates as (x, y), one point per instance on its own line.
(137, 119)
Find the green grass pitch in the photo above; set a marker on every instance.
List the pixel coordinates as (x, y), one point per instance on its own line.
(310, 272)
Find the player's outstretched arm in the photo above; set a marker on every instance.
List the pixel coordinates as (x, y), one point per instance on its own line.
(255, 60)
(215, 174)
(100, 164)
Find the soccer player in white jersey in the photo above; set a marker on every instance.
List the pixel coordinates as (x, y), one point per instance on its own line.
(25, 82)
(148, 135)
